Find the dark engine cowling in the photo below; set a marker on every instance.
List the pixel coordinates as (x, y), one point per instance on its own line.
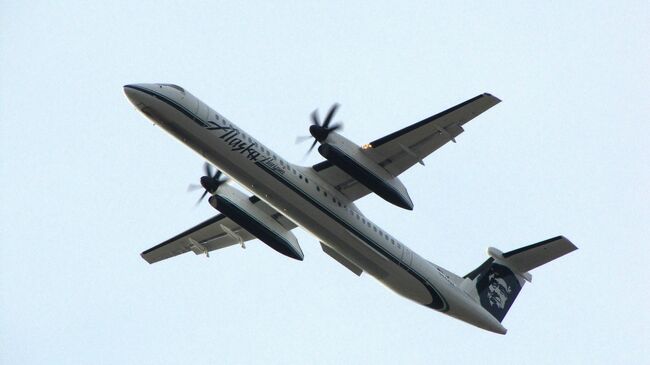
(350, 158)
(235, 205)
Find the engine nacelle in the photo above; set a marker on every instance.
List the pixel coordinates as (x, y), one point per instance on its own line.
(236, 205)
(350, 158)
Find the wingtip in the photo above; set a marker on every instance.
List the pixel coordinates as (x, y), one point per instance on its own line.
(144, 257)
(497, 100)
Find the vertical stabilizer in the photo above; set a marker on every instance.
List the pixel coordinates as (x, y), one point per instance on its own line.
(498, 281)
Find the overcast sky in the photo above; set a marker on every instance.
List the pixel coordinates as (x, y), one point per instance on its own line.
(88, 183)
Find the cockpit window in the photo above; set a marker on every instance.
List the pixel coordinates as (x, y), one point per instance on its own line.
(175, 87)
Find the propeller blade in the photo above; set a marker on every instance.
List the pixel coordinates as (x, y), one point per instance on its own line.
(314, 117)
(335, 127)
(194, 187)
(217, 175)
(208, 169)
(312, 146)
(330, 114)
(301, 139)
(205, 192)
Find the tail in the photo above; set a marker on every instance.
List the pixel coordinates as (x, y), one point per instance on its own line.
(498, 281)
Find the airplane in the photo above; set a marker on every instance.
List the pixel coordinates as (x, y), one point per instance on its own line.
(320, 199)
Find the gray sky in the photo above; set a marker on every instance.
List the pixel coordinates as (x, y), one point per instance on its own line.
(88, 183)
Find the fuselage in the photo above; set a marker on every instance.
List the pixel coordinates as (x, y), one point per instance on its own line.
(303, 197)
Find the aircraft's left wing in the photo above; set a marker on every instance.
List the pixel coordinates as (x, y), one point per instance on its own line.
(215, 233)
(402, 149)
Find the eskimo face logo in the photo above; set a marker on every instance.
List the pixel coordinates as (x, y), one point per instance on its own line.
(497, 287)
(497, 292)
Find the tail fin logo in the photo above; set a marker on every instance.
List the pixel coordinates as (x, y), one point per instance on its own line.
(497, 287)
(497, 292)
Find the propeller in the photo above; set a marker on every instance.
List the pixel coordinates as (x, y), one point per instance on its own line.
(209, 183)
(320, 131)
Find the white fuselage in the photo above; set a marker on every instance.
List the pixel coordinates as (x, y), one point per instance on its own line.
(300, 195)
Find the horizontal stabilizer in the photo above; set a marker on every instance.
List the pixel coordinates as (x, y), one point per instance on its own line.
(527, 258)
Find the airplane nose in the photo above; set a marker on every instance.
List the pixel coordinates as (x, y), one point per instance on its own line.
(129, 91)
(133, 93)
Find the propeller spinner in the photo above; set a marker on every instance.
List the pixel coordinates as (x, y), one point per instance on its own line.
(210, 183)
(320, 131)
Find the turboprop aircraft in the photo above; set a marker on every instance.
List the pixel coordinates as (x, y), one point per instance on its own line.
(320, 199)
